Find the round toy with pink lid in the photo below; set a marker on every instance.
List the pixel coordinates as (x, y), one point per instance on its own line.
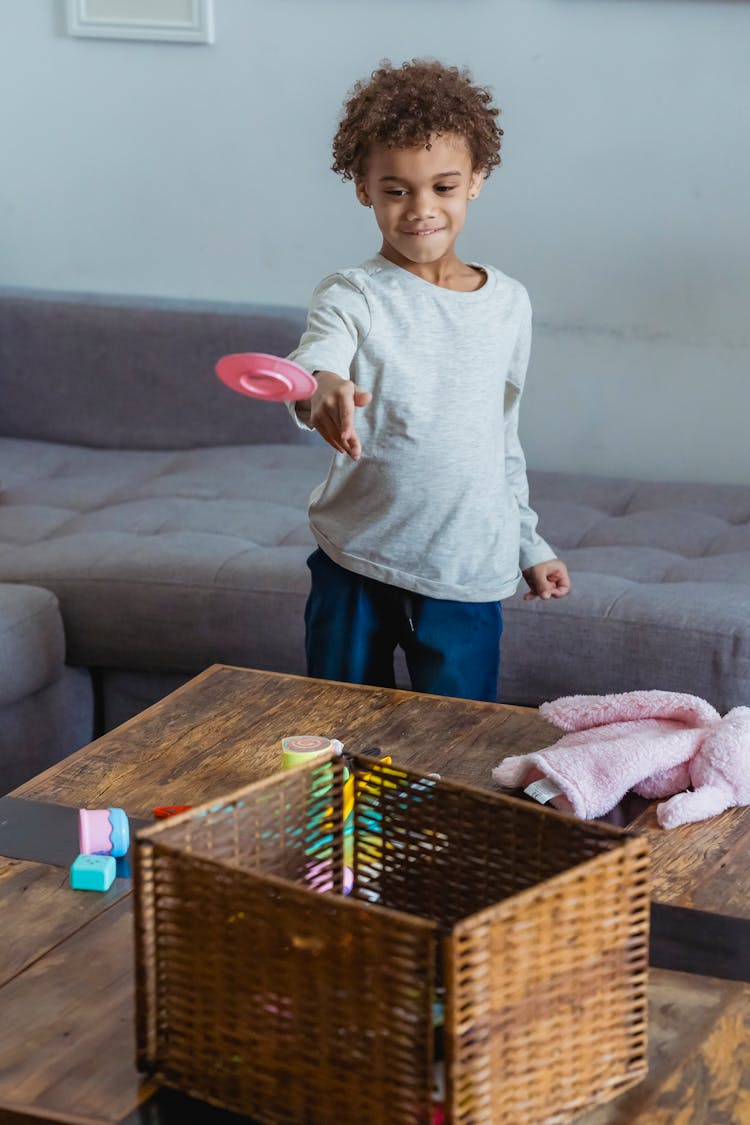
(103, 832)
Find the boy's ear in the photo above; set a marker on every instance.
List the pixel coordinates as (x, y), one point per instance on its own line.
(475, 183)
(362, 193)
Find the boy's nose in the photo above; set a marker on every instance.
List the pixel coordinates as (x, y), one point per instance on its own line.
(421, 207)
(420, 214)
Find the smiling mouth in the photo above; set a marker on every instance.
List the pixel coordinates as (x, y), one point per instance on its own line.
(423, 233)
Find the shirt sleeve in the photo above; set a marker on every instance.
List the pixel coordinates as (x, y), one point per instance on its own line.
(338, 320)
(533, 548)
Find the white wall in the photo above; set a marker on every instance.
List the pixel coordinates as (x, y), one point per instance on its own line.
(622, 202)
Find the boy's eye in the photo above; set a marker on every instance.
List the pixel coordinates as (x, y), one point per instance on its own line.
(442, 188)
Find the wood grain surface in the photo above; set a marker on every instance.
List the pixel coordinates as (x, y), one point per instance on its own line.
(702, 865)
(224, 730)
(39, 911)
(67, 1040)
(66, 963)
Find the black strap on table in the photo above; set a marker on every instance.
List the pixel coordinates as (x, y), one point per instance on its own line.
(168, 1107)
(698, 941)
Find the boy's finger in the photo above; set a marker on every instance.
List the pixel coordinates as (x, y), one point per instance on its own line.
(559, 579)
(346, 418)
(562, 588)
(332, 437)
(353, 447)
(544, 586)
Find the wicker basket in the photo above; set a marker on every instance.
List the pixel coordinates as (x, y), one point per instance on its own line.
(264, 989)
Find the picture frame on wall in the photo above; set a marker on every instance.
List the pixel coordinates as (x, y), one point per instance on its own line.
(174, 21)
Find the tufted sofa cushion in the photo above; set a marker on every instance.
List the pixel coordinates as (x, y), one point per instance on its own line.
(661, 592)
(172, 560)
(165, 560)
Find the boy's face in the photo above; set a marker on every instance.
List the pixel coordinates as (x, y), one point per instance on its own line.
(420, 197)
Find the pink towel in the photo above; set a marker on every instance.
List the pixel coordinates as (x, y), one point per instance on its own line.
(656, 743)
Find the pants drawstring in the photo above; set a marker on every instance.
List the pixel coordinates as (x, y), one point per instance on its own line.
(408, 605)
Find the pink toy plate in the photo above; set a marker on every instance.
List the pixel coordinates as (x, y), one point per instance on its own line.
(265, 376)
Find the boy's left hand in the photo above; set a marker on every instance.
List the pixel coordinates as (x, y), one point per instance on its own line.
(547, 580)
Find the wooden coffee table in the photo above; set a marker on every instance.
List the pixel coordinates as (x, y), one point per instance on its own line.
(66, 959)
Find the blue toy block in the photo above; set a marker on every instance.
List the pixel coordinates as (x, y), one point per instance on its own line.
(92, 873)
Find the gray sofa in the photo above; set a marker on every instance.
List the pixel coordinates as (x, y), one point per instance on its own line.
(153, 523)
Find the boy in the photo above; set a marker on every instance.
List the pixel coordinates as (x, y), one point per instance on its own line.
(424, 515)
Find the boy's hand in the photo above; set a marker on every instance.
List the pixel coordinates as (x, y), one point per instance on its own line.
(547, 580)
(332, 412)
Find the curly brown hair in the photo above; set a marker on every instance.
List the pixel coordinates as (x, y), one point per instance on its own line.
(403, 107)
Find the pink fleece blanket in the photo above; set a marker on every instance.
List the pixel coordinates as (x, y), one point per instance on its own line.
(657, 743)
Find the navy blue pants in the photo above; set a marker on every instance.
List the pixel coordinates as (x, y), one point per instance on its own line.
(353, 624)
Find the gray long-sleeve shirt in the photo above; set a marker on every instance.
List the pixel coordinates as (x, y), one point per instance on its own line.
(438, 502)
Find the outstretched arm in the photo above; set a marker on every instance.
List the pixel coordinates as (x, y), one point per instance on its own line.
(338, 320)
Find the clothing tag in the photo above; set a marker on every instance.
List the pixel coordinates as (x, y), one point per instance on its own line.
(542, 790)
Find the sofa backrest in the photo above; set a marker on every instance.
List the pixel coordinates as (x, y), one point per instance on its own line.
(136, 373)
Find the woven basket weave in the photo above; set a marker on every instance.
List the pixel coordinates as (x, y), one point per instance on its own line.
(263, 989)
